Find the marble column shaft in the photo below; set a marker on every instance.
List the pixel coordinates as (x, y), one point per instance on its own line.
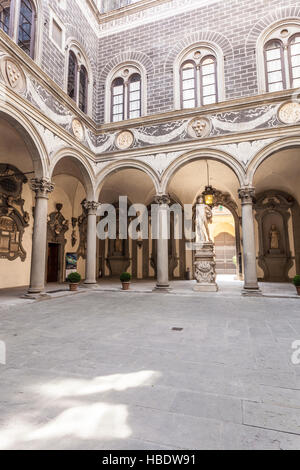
(91, 247)
(162, 283)
(42, 188)
(249, 249)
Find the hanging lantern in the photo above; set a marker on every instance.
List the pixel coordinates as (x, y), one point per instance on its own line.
(208, 195)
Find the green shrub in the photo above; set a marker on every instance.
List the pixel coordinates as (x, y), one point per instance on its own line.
(74, 278)
(296, 280)
(234, 260)
(125, 277)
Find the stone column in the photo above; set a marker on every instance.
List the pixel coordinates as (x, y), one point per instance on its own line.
(42, 188)
(246, 195)
(91, 243)
(162, 264)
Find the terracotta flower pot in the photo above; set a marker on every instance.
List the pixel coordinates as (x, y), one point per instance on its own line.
(298, 290)
(73, 286)
(125, 285)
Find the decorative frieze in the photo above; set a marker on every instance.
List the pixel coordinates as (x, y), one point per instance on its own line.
(13, 74)
(289, 113)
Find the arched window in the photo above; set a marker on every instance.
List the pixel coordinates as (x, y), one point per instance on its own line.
(72, 76)
(274, 64)
(126, 92)
(280, 68)
(209, 91)
(188, 85)
(135, 96)
(83, 88)
(294, 60)
(26, 27)
(118, 102)
(199, 85)
(77, 78)
(5, 17)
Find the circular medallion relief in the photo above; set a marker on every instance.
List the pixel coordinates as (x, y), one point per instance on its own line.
(124, 140)
(289, 113)
(199, 127)
(13, 74)
(77, 129)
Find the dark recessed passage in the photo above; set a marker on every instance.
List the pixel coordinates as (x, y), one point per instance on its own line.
(177, 329)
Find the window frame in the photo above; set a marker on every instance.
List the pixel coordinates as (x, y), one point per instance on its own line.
(211, 56)
(290, 58)
(129, 92)
(32, 30)
(112, 98)
(283, 71)
(195, 82)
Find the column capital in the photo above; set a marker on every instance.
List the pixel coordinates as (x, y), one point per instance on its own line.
(42, 187)
(91, 207)
(162, 199)
(247, 194)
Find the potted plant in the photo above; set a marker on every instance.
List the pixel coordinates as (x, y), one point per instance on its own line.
(125, 278)
(74, 279)
(296, 282)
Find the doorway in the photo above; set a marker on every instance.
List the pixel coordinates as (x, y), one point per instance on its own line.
(53, 262)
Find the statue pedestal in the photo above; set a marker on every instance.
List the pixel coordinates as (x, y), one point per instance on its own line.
(205, 267)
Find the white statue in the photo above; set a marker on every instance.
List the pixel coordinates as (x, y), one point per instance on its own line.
(203, 218)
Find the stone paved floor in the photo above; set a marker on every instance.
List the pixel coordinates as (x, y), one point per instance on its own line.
(105, 370)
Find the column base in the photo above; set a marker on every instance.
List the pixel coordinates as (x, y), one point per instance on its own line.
(162, 288)
(251, 292)
(36, 296)
(90, 284)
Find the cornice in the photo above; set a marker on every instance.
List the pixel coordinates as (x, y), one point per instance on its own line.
(228, 105)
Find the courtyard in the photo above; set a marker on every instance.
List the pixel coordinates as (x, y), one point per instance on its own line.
(140, 370)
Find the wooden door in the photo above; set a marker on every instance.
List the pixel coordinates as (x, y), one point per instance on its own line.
(53, 262)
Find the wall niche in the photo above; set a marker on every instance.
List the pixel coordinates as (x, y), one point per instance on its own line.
(273, 211)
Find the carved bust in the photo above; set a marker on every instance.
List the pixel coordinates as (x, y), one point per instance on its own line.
(199, 127)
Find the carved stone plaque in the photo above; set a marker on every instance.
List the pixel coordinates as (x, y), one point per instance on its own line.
(13, 74)
(199, 127)
(77, 129)
(124, 140)
(289, 113)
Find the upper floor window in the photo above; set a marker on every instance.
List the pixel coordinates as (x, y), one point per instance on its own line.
(126, 94)
(198, 78)
(77, 80)
(282, 58)
(25, 11)
(5, 16)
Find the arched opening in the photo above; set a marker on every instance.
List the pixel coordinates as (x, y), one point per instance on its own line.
(67, 219)
(187, 182)
(19, 162)
(133, 255)
(277, 215)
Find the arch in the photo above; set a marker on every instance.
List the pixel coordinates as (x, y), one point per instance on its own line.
(185, 56)
(203, 154)
(136, 57)
(134, 68)
(266, 30)
(268, 151)
(269, 21)
(83, 167)
(32, 139)
(126, 164)
(82, 58)
(208, 38)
